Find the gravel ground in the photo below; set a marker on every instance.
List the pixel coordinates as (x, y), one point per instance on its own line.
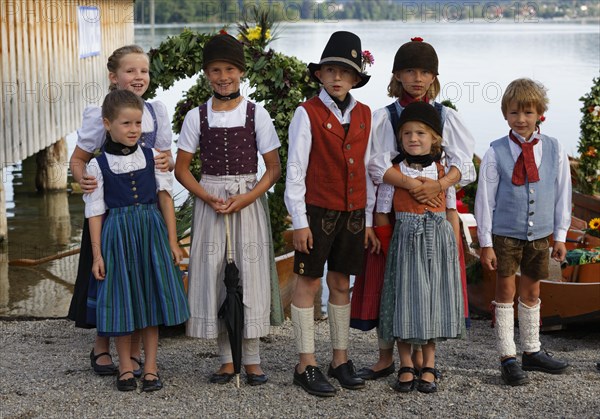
(45, 372)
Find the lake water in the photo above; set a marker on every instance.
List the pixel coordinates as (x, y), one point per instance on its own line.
(477, 61)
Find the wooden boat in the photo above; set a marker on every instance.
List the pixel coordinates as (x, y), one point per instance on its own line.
(571, 295)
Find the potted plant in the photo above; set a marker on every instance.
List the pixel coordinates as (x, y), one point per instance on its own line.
(586, 197)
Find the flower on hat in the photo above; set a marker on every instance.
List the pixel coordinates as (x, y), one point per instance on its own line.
(417, 39)
(223, 32)
(367, 58)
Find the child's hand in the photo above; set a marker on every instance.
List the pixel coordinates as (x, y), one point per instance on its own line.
(88, 183)
(215, 202)
(371, 239)
(427, 192)
(98, 268)
(303, 240)
(162, 161)
(236, 203)
(176, 253)
(559, 251)
(488, 258)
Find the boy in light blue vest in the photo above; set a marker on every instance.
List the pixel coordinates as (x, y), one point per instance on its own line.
(523, 197)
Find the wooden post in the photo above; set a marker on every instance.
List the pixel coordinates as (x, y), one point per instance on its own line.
(3, 222)
(51, 174)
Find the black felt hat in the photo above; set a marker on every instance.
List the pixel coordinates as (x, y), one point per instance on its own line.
(422, 112)
(224, 47)
(343, 48)
(416, 54)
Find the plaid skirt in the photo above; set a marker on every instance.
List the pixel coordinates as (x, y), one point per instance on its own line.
(422, 292)
(143, 287)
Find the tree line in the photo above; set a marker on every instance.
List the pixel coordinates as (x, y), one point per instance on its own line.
(228, 11)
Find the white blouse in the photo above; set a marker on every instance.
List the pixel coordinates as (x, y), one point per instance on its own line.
(94, 201)
(92, 134)
(266, 136)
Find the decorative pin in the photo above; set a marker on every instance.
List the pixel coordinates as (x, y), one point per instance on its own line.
(354, 53)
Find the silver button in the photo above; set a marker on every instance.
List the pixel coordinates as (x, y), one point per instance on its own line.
(351, 160)
(328, 125)
(530, 224)
(531, 191)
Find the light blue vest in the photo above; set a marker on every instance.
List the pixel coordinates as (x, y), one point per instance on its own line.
(525, 212)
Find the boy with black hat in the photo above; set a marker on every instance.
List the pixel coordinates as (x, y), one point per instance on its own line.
(330, 198)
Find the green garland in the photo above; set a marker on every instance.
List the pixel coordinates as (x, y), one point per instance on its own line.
(588, 170)
(280, 84)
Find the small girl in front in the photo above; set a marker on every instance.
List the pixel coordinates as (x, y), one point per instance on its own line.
(422, 270)
(135, 249)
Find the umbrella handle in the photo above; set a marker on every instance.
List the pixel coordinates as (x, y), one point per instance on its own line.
(228, 238)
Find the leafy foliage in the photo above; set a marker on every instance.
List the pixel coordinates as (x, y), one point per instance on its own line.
(279, 82)
(588, 170)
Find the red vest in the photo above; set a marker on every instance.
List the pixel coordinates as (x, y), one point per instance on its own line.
(404, 202)
(335, 177)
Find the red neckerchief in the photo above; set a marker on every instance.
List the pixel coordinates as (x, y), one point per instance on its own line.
(525, 165)
(406, 99)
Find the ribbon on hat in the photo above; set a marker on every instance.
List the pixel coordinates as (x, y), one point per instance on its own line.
(525, 165)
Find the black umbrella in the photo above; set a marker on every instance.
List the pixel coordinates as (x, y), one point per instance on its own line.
(232, 309)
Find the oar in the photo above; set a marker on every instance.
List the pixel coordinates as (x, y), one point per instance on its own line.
(33, 262)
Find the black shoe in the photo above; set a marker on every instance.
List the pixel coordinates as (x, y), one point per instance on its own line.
(137, 373)
(110, 369)
(223, 378)
(314, 382)
(128, 384)
(427, 386)
(436, 373)
(346, 375)
(512, 374)
(544, 362)
(405, 386)
(151, 385)
(256, 380)
(369, 374)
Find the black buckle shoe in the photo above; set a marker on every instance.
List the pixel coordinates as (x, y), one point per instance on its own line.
(405, 386)
(128, 384)
(256, 380)
(110, 369)
(513, 374)
(314, 382)
(346, 375)
(544, 362)
(137, 373)
(223, 378)
(369, 374)
(427, 386)
(151, 385)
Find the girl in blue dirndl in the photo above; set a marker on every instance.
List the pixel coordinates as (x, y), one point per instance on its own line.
(135, 246)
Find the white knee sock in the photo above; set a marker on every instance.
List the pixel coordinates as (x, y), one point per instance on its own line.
(505, 328)
(529, 327)
(303, 320)
(339, 325)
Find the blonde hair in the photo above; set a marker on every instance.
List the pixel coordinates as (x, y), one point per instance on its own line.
(436, 144)
(119, 99)
(395, 88)
(114, 61)
(524, 93)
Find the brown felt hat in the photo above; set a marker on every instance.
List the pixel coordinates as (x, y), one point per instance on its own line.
(416, 54)
(421, 112)
(224, 47)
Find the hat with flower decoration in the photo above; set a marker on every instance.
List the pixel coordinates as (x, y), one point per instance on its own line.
(344, 49)
(416, 54)
(224, 47)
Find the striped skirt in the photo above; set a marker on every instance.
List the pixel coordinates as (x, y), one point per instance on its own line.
(251, 237)
(422, 293)
(143, 286)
